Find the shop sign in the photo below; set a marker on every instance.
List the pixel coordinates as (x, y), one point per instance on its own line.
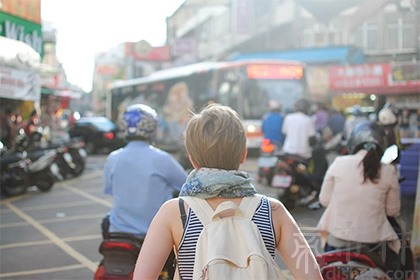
(144, 52)
(375, 78)
(21, 30)
(358, 76)
(19, 84)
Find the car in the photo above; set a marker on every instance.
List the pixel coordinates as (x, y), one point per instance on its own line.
(98, 133)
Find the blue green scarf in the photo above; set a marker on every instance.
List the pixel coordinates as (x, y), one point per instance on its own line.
(209, 182)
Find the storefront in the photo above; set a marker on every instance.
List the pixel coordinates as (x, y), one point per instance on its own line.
(376, 84)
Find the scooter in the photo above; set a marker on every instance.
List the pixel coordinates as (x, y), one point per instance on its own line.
(21, 169)
(120, 251)
(71, 157)
(300, 178)
(267, 161)
(366, 262)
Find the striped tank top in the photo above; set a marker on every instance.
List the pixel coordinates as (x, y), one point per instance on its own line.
(193, 227)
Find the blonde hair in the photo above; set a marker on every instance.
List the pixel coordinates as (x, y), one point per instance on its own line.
(215, 138)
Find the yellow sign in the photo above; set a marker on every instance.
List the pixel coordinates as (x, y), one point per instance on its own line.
(26, 9)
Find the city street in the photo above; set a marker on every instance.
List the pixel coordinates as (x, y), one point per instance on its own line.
(56, 235)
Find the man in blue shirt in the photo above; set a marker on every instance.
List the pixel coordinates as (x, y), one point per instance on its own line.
(272, 123)
(140, 177)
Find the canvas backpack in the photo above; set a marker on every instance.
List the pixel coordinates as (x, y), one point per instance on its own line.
(231, 247)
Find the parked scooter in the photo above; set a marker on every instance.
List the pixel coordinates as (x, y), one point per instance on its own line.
(21, 167)
(267, 161)
(71, 157)
(120, 251)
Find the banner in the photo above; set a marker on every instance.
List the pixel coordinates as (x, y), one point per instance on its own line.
(19, 84)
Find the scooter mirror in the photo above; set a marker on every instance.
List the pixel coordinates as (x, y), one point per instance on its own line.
(390, 154)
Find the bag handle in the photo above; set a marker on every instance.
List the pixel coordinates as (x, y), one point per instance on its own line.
(206, 214)
(227, 205)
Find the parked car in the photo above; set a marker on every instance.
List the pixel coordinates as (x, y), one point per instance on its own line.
(98, 133)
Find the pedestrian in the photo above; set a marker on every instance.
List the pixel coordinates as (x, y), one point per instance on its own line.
(299, 131)
(336, 121)
(7, 128)
(321, 117)
(272, 123)
(139, 176)
(404, 123)
(359, 192)
(215, 140)
(32, 124)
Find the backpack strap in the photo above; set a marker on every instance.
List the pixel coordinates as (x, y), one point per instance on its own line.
(249, 205)
(182, 211)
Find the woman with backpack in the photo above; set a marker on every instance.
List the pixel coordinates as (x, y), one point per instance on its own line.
(222, 216)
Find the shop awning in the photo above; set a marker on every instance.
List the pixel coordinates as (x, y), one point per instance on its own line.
(18, 55)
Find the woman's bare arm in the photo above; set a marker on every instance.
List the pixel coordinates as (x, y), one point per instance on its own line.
(157, 245)
(292, 245)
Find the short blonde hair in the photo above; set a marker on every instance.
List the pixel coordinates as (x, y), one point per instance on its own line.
(215, 138)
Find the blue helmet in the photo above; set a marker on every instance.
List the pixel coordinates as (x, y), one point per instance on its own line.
(140, 121)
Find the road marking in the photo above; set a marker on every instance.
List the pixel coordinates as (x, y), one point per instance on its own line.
(45, 242)
(40, 271)
(55, 220)
(86, 195)
(25, 244)
(58, 205)
(54, 238)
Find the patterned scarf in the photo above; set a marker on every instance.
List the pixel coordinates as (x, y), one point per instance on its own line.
(207, 182)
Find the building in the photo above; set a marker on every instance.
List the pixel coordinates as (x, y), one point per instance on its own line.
(386, 31)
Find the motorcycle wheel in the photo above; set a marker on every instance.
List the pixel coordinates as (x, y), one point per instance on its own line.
(79, 166)
(12, 185)
(45, 183)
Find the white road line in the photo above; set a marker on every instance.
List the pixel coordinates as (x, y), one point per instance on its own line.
(55, 220)
(54, 238)
(40, 271)
(45, 242)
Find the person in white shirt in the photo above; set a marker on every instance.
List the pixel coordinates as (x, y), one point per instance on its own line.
(299, 130)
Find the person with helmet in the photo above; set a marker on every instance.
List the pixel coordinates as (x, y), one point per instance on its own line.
(139, 176)
(272, 123)
(356, 116)
(299, 130)
(388, 120)
(360, 193)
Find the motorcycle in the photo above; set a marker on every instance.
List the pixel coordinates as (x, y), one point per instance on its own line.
(300, 178)
(267, 161)
(366, 261)
(71, 157)
(120, 251)
(22, 167)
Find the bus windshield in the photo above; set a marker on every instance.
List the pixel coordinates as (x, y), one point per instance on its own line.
(257, 93)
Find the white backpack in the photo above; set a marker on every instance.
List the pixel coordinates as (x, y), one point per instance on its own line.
(231, 247)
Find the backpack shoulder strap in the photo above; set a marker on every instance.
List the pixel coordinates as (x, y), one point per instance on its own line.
(201, 208)
(182, 211)
(249, 205)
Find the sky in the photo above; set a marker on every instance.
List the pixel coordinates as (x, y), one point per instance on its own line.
(87, 27)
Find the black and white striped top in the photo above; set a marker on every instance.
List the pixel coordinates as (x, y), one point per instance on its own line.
(193, 228)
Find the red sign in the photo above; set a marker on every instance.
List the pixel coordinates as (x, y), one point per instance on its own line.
(141, 52)
(359, 76)
(368, 78)
(271, 71)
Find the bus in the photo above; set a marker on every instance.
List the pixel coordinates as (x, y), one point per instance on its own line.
(246, 86)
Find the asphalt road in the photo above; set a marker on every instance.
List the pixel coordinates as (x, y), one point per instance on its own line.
(56, 235)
